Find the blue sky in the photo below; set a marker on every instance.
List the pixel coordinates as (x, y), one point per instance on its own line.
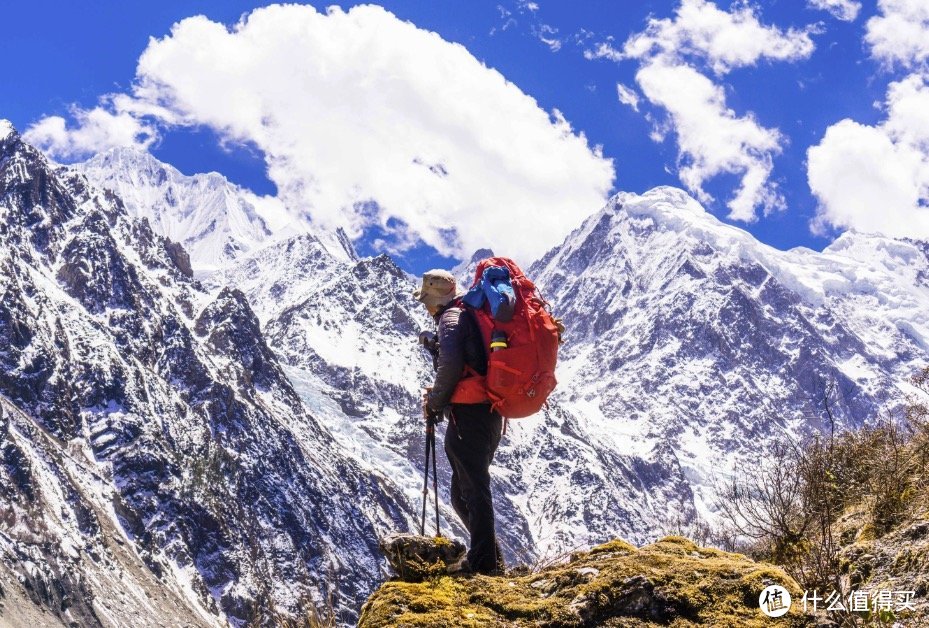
(820, 67)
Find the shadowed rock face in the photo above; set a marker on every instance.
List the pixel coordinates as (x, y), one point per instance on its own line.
(197, 451)
(670, 582)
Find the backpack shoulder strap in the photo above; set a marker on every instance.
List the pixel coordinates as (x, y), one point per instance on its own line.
(481, 323)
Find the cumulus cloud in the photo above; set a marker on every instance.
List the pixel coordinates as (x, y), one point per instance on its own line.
(900, 33)
(366, 121)
(845, 10)
(876, 178)
(722, 39)
(712, 139)
(95, 130)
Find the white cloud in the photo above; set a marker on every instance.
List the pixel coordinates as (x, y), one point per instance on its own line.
(547, 35)
(900, 34)
(506, 16)
(876, 178)
(95, 130)
(627, 96)
(712, 139)
(722, 39)
(603, 50)
(845, 10)
(359, 106)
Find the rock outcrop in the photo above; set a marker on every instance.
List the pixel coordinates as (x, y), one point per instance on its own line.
(895, 563)
(414, 558)
(670, 582)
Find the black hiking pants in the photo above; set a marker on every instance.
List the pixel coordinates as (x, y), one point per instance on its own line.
(470, 442)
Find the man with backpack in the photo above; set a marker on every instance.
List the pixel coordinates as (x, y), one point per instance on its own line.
(497, 348)
(474, 429)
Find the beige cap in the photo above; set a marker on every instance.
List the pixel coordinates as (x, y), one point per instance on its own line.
(439, 288)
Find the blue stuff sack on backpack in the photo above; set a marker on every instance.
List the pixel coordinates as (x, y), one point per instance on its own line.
(496, 289)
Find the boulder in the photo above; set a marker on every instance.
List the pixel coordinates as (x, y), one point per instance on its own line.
(414, 557)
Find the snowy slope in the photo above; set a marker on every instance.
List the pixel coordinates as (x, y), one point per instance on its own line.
(144, 408)
(216, 221)
(687, 332)
(61, 545)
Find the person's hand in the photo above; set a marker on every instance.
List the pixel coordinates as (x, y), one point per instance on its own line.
(426, 411)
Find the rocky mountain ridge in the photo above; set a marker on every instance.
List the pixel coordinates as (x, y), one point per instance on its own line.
(151, 435)
(216, 221)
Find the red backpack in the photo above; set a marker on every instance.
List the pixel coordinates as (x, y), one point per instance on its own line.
(520, 377)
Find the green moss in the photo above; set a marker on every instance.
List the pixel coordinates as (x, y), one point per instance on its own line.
(672, 582)
(677, 544)
(439, 602)
(614, 547)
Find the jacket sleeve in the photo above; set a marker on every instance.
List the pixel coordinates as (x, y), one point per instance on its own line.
(451, 357)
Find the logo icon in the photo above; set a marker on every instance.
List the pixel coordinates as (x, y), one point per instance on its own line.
(774, 601)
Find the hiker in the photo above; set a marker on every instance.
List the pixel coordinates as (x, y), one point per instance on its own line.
(474, 429)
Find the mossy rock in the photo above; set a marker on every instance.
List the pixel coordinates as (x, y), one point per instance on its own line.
(415, 558)
(672, 582)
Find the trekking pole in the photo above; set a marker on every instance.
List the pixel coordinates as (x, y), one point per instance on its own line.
(435, 482)
(422, 521)
(430, 450)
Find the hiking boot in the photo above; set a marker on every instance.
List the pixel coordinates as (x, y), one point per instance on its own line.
(461, 567)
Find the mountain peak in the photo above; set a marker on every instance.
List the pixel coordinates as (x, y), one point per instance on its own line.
(6, 129)
(128, 161)
(464, 272)
(667, 218)
(668, 205)
(214, 219)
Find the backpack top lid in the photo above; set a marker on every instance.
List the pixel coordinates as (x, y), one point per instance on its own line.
(516, 276)
(494, 288)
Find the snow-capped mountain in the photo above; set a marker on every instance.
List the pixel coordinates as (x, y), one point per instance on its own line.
(216, 221)
(691, 346)
(237, 445)
(157, 465)
(688, 334)
(346, 333)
